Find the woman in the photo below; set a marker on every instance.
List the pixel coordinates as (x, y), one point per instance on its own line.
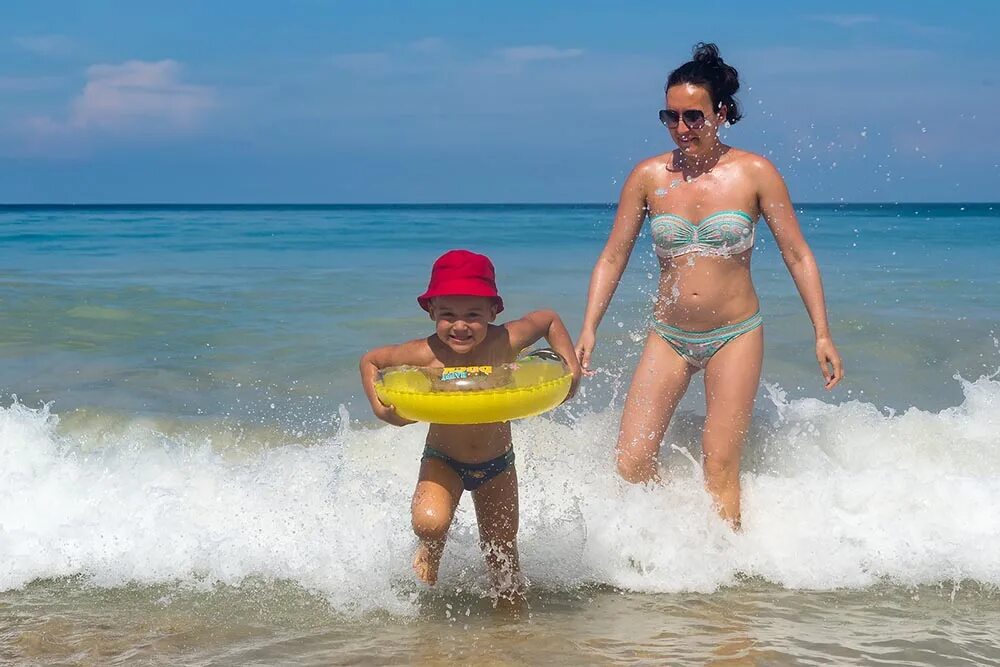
(703, 200)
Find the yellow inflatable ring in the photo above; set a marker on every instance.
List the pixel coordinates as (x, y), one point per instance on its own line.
(476, 394)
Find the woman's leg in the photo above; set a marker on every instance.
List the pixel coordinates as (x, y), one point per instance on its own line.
(434, 501)
(731, 380)
(497, 515)
(659, 382)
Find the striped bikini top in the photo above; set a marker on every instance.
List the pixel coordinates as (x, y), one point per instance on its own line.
(722, 234)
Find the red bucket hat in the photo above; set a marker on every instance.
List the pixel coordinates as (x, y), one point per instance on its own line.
(461, 273)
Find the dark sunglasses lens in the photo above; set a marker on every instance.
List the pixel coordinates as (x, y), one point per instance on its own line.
(694, 118)
(669, 117)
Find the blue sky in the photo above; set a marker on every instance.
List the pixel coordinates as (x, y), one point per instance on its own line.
(309, 101)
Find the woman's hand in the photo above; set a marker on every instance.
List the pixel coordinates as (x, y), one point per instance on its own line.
(387, 413)
(829, 361)
(584, 348)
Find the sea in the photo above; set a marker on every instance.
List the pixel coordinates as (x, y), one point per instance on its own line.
(190, 473)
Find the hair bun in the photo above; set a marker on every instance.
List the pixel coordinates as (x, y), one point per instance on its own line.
(707, 54)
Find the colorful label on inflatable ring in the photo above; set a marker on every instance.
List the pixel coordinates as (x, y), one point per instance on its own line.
(464, 372)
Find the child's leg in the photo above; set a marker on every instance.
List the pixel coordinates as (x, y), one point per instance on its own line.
(497, 515)
(434, 501)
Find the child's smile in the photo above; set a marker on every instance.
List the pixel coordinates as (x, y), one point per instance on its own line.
(462, 321)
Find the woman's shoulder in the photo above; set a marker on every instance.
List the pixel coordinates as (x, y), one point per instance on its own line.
(644, 174)
(750, 161)
(654, 164)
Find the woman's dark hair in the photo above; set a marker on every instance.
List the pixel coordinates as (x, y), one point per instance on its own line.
(708, 69)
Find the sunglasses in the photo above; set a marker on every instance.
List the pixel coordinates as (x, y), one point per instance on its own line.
(693, 118)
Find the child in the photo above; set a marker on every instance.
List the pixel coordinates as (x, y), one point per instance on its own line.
(462, 300)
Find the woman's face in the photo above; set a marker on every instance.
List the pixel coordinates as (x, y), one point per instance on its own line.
(693, 124)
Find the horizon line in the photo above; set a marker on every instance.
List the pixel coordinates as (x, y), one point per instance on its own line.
(153, 204)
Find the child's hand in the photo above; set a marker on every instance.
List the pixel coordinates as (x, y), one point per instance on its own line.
(387, 413)
(577, 374)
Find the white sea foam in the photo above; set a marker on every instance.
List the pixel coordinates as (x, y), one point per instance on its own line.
(834, 496)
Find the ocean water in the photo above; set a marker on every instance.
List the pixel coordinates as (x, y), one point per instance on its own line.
(189, 472)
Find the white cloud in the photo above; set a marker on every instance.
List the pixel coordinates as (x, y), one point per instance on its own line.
(428, 45)
(525, 54)
(844, 20)
(371, 62)
(44, 45)
(432, 55)
(888, 23)
(816, 63)
(133, 97)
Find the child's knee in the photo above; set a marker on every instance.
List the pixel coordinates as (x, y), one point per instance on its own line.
(431, 522)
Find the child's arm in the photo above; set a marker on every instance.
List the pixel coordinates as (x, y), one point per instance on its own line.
(384, 357)
(547, 324)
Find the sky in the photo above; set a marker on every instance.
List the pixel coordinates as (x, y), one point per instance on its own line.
(309, 101)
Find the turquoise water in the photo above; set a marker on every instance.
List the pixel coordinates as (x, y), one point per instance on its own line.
(189, 472)
(209, 310)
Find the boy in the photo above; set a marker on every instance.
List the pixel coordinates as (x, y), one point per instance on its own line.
(462, 300)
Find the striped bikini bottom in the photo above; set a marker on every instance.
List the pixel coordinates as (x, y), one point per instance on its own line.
(697, 347)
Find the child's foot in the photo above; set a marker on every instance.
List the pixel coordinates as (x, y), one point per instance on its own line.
(426, 561)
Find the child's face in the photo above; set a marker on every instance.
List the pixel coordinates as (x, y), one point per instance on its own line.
(462, 321)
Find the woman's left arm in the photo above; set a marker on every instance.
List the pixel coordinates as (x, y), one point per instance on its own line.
(776, 207)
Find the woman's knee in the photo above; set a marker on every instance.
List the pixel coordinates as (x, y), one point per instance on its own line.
(636, 466)
(721, 467)
(636, 455)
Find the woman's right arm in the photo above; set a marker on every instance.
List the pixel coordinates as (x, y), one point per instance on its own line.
(612, 262)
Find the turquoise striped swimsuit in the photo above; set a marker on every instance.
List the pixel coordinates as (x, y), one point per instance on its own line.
(697, 347)
(724, 233)
(721, 234)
